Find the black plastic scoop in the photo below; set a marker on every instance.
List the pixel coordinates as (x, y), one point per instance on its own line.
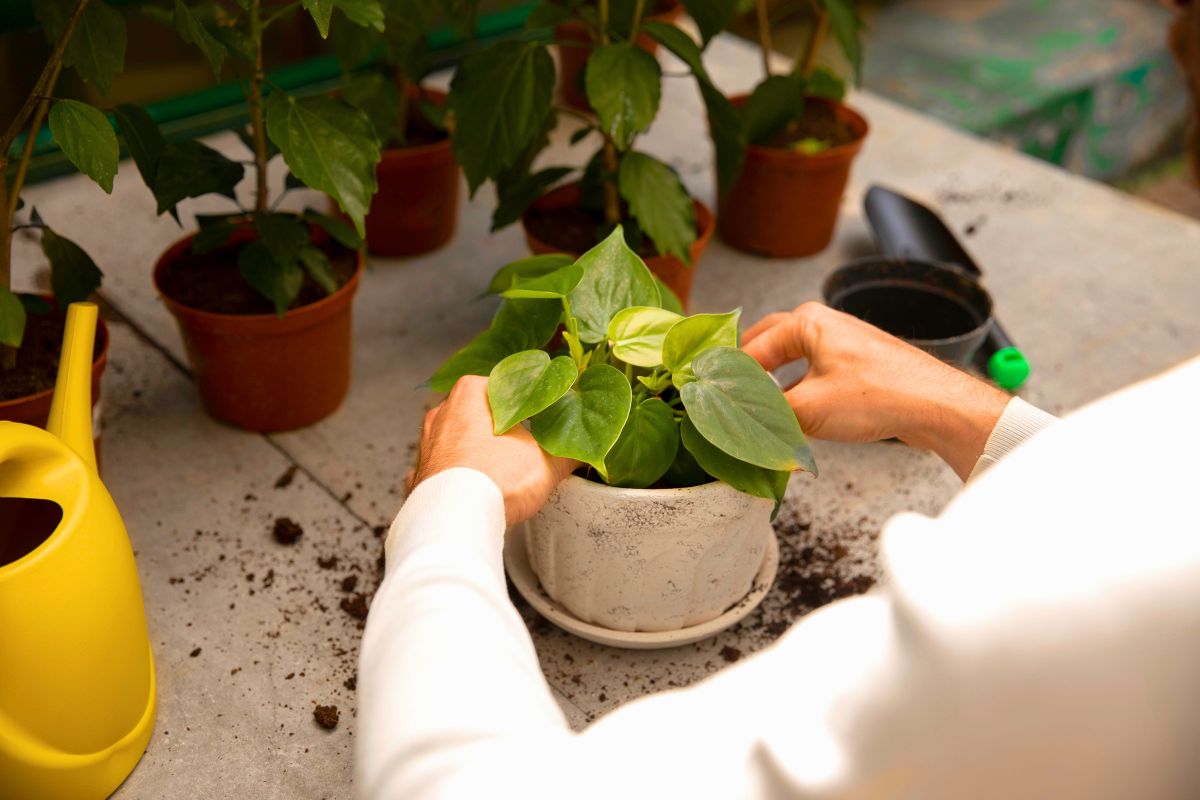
(907, 229)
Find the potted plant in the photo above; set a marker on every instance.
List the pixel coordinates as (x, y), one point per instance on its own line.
(89, 37)
(501, 102)
(800, 142)
(263, 297)
(644, 397)
(415, 209)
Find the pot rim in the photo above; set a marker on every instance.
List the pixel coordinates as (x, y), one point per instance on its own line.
(624, 493)
(311, 312)
(839, 153)
(98, 364)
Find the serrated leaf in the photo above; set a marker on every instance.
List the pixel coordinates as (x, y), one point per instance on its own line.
(143, 139)
(500, 98)
(193, 32)
(215, 232)
(329, 145)
(690, 337)
(846, 28)
(613, 278)
(191, 169)
(338, 230)
(525, 384)
(367, 13)
(711, 16)
(660, 204)
(538, 320)
(321, 11)
(679, 43)
(352, 44)
(552, 285)
(73, 274)
(531, 267)
(581, 134)
(822, 82)
(637, 334)
(737, 408)
(318, 267)
(278, 282)
(284, 236)
(480, 355)
(624, 85)
(748, 478)
(12, 318)
(379, 99)
(646, 448)
(87, 140)
(548, 14)
(774, 103)
(35, 305)
(516, 196)
(97, 47)
(586, 422)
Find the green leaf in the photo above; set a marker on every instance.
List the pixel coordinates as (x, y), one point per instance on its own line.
(824, 83)
(656, 382)
(552, 285)
(87, 140)
(143, 139)
(278, 282)
(846, 27)
(679, 43)
(284, 236)
(646, 448)
(191, 169)
(525, 384)
(613, 278)
(727, 132)
(73, 274)
(367, 13)
(637, 334)
(329, 145)
(500, 98)
(744, 477)
(12, 318)
(35, 305)
(352, 44)
(657, 200)
(379, 99)
(515, 196)
(774, 103)
(214, 232)
(624, 84)
(668, 299)
(586, 422)
(581, 134)
(538, 320)
(531, 267)
(736, 406)
(548, 14)
(317, 265)
(321, 11)
(338, 230)
(97, 48)
(685, 470)
(480, 355)
(692, 336)
(193, 32)
(711, 16)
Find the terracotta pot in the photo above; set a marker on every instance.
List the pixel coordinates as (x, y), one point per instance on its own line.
(785, 204)
(416, 208)
(34, 409)
(669, 269)
(648, 559)
(571, 60)
(260, 372)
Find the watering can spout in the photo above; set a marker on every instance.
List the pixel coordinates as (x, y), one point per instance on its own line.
(71, 409)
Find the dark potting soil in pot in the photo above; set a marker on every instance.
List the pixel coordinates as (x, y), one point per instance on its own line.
(211, 281)
(909, 311)
(575, 230)
(819, 123)
(37, 358)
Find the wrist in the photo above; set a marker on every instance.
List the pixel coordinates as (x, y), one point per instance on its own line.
(955, 422)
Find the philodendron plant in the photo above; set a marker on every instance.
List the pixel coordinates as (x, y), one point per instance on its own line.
(641, 394)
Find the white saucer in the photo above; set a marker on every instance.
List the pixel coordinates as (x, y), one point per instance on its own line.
(516, 560)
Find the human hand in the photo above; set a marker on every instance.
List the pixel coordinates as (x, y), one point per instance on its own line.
(864, 385)
(458, 433)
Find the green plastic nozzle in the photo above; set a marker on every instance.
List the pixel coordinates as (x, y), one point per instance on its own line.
(1009, 368)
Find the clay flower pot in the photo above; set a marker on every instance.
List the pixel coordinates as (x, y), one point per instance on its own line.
(260, 372)
(785, 203)
(416, 208)
(572, 59)
(648, 559)
(669, 269)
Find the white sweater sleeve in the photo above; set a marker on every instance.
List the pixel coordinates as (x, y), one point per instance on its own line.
(1040, 639)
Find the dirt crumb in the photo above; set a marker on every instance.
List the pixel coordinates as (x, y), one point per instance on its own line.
(327, 562)
(194, 653)
(285, 480)
(355, 606)
(287, 531)
(326, 716)
(730, 654)
(351, 683)
(349, 583)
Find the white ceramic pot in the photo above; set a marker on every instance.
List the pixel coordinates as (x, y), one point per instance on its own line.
(648, 559)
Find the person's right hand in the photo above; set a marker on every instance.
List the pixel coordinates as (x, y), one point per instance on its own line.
(864, 385)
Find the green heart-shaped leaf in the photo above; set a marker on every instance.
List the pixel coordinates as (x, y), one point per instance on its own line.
(525, 383)
(847, 29)
(744, 477)
(646, 447)
(480, 355)
(667, 299)
(531, 267)
(552, 285)
(624, 84)
(690, 337)
(685, 470)
(614, 278)
(736, 406)
(586, 422)
(87, 140)
(660, 204)
(637, 334)
(537, 319)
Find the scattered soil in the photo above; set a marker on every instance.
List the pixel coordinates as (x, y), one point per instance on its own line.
(37, 359)
(212, 282)
(356, 606)
(820, 123)
(327, 562)
(194, 653)
(730, 654)
(574, 229)
(349, 583)
(351, 683)
(287, 531)
(285, 480)
(326, 716)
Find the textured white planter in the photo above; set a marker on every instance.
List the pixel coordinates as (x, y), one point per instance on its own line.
(648, 559)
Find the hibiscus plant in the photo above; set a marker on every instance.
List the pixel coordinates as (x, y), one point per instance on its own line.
(641, 394)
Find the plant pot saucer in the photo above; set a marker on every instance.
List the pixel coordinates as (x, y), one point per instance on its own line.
(516, 561)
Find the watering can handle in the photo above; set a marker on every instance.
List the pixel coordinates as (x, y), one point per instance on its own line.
(71, 409)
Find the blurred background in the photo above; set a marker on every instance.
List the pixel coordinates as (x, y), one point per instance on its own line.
(1089, 85)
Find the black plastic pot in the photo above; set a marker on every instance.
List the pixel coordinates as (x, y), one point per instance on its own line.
(939, 308)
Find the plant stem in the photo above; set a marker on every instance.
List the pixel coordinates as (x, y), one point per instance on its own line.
(813, 48)
(35, 125)
(764, 35)
(612, 197)
(638, 10)
(255, 102)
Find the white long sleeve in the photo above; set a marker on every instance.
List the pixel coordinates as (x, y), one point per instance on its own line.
(1041, 638)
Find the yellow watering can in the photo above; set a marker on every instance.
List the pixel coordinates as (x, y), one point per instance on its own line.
(77, 695)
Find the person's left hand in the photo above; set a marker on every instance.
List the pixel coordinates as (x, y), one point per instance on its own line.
(458, 433)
